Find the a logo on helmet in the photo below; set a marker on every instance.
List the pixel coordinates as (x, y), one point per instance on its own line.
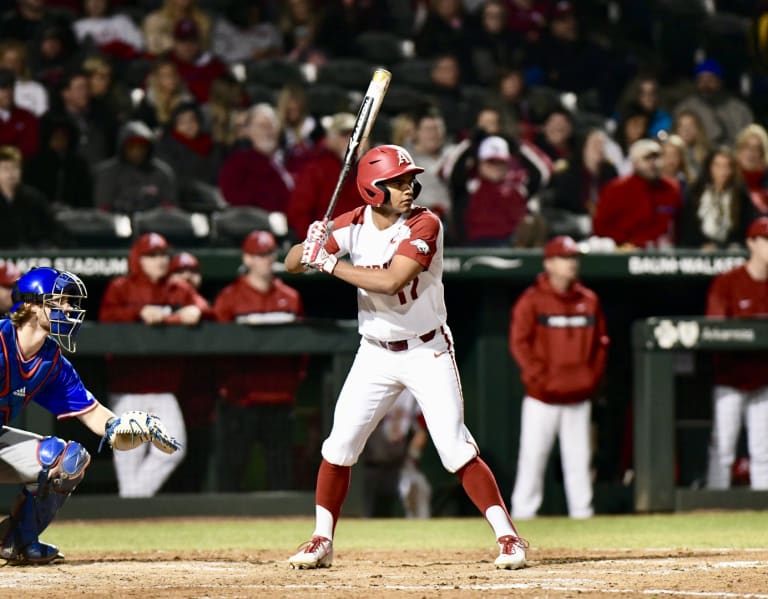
(403, 158)
(155, 240)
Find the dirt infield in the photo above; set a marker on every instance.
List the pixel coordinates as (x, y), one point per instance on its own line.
(551, 573)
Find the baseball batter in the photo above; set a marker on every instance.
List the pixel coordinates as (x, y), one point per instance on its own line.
(741, 379)
(395, 251)
(45, 317)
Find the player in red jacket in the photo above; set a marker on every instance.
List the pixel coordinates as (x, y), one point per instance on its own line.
(741, 378)
(257, 392)
(558, 338)
(151, 383)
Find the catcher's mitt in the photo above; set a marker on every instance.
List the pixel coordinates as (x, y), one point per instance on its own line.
(131, 429)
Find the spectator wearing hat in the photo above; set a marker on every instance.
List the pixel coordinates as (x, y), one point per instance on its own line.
(196, 394)
(317, 177)
(498, 198)
(254, 175)
(197, 67)
(722, 114)
(18, 126)
(9, 274)
(558, 338)
(257, 395)
(639, 210)
(26, 219)
(135, 179)
(158, 26)
(151, 384)
(740, 393)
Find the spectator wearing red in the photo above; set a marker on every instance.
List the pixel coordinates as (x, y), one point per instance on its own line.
(254, 175)
(197, 392)
(558, 337)
(146, 295)
(752, 155)
(498, 197)
(197, 67)
(257, 392)
(18, 126)
(9, 274)
(317, 178)
(639, 210)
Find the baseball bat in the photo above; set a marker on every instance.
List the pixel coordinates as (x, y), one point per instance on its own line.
(366, 116)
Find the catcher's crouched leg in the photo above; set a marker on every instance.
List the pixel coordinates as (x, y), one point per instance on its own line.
(64, 465)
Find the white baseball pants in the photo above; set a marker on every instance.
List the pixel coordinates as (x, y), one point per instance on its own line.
(378, 375)
(142, 471)
(730, 408)
(540, 424)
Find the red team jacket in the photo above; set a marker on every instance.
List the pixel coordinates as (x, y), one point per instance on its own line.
(258, 379)
(122, 302)
(559, 341)
(735, 294)
(637, 211)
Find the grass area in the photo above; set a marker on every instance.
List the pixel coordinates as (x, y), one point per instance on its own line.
(738, 530)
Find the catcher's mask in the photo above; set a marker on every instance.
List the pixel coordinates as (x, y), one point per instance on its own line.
(381, 164)
(61, 293)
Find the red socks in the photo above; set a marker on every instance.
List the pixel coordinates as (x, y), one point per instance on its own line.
(479, 483)
(332, 487)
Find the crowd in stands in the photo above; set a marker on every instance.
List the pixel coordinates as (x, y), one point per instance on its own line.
(637, 123)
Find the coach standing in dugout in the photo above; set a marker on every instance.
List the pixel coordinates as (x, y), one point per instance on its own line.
(741, 378)
(558, 338)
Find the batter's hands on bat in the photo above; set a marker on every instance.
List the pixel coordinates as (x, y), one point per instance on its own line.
(319, 231)
(315, 256)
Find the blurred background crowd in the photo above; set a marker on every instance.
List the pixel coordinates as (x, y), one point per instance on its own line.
(632, 124)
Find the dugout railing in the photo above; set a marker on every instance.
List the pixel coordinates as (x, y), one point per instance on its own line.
(658, 343)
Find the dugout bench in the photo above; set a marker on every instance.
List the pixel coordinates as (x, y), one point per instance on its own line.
(657, 343)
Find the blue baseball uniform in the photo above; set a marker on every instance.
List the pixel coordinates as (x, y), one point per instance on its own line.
(48, 378)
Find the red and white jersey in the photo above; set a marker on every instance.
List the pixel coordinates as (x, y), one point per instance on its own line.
(420, 306)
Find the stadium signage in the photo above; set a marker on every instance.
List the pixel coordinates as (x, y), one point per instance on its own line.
(683, 265)
(82, 265)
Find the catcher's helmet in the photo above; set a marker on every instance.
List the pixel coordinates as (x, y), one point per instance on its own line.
(380, 164)
(62, 293)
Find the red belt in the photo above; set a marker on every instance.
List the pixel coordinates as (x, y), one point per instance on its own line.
(403, 345)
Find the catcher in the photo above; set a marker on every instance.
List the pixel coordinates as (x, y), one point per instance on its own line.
(45, 317)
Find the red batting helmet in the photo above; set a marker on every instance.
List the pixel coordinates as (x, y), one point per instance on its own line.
(380, 164)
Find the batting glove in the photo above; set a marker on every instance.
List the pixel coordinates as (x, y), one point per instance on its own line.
(315, 256)
(319, 231)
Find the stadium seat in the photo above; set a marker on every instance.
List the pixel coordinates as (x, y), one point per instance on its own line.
(275, 73)
(258, 93)
(196, 196)
(180, 228)
(381, 48)
(348, 73)
(402, 98)
(231, 225)
(413, 73)
(328, 99)
(93, 228)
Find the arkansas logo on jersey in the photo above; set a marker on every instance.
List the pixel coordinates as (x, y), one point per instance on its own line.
(421, 246)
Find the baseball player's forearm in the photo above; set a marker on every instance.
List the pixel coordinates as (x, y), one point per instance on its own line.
(96, 419)
(390, 280)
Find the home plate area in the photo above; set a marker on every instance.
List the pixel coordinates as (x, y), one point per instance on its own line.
(551, 573)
